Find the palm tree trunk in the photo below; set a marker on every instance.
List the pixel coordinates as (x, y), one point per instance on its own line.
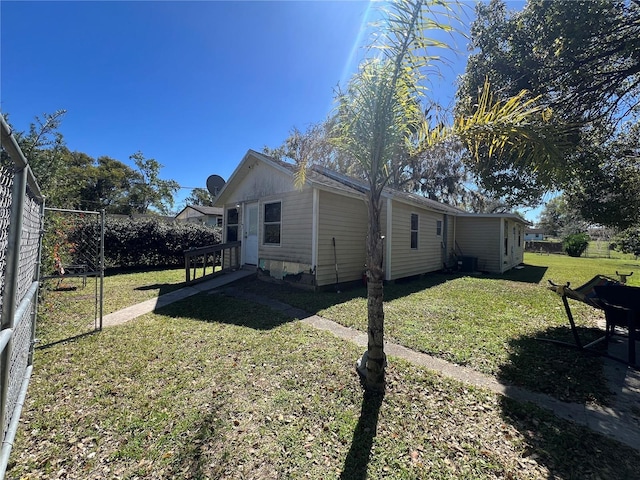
(375, 345)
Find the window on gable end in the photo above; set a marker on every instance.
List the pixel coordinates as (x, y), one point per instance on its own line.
(272, 223)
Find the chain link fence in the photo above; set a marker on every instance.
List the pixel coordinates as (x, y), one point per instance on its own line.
(21, 214)
(72, 267)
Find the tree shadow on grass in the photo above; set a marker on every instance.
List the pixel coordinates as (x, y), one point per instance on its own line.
(193, 459)
(566, 373)
(523, 273)
(314, 302)
(161, 287)
(357, 461)
(219, 308)
(568, 450)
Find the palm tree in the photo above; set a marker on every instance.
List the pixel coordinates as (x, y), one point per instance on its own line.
(381, 124)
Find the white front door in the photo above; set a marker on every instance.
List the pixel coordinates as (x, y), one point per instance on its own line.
(251, 234)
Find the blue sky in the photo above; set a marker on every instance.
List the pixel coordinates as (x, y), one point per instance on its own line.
(192, 84)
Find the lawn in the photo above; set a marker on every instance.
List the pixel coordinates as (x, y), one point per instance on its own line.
(68, 308)
(489, 323)
(212, 387)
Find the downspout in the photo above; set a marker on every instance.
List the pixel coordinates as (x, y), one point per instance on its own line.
(454, 239)
(445, 239)
(501, 244)
(239, 206)
(315, 218)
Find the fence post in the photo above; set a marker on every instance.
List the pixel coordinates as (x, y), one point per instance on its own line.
(13, 385)
(9, 299)
(101, 266)
(187, 272)
(37, 278)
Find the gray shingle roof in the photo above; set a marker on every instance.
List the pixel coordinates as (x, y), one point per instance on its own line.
(323, 176)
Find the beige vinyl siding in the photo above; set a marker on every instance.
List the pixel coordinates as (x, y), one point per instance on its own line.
(481, 237)
(346, 220)
(263, 182)
(387, 236)
(295, 227)
(427, 257)
(451, 238)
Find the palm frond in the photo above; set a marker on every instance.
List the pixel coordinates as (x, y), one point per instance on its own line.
(519, 127)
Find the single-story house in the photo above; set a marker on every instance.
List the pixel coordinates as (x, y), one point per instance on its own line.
(532, 234)
(315, 234)
(211, 216)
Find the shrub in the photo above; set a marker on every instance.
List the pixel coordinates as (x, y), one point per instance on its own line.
(575, 244)
(628, 241)
(147, 242)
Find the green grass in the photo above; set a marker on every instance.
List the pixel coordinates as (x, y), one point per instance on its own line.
(489, 323)
(600, 248)
(214, 387)
(68, 308)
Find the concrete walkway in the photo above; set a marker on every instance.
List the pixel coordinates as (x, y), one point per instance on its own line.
(620, 420)
(129, 313)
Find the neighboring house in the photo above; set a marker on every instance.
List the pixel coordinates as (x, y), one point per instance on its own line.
(211, 216)
(316, 234)
(531, 234)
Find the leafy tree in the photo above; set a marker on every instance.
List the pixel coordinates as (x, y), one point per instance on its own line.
(78, 169)
(44, 148)
(200, 196)
(608, 190)
(150, 190)
(438, 173)
(76, 180)
(108, 186)
(559, 218)
(628, 241)
(315, 146)
(575, 244)
(381, 124)
(578, 58)
(553, 216)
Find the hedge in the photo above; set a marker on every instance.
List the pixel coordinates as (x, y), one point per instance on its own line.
(146, 242)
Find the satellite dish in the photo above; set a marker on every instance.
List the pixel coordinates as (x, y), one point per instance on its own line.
(215, 184)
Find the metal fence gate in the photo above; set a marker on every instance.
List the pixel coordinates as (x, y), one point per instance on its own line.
(21, 214)
(72, 267)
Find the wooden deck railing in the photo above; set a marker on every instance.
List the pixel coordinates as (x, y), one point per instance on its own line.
(215, 258)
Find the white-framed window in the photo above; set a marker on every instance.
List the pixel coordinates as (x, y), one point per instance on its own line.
(438, 227)
(232, 225)
(415, 224)
(272, 223)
